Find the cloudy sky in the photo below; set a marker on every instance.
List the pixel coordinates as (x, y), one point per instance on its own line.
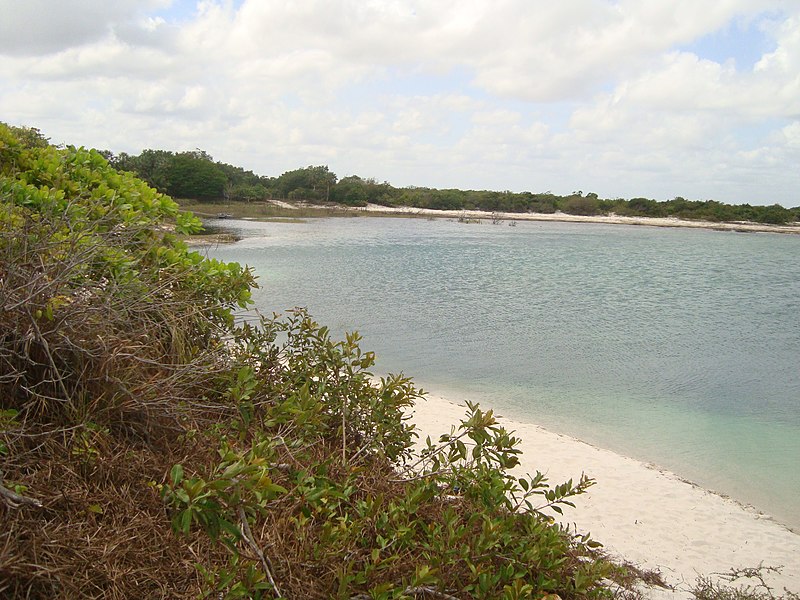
(624, 98)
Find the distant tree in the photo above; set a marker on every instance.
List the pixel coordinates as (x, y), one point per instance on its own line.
(241, 184)
(193, 175)
(542, 203)
(300, 194)
(29, 137)
(645, 207)
(449, 199)
(381, 193)
(580, 205)
(151, 165)
(717, 211)
(775, 215)
(745, 212)
(249, 193)
(351, 191)
(311, 183)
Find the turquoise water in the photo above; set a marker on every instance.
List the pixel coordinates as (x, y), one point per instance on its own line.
(677, 347)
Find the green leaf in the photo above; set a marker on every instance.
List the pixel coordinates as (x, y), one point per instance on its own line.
(230, 529)
(276, 489)
(186, 520)
(176, 474)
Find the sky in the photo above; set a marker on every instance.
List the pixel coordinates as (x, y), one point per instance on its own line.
(623, 98)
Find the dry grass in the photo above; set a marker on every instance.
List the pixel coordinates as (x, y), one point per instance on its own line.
(102, 531)
(98, 379)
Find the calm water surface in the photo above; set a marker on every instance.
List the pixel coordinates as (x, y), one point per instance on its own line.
(677, 347)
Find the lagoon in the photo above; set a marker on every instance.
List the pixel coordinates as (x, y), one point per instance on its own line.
(677, 347)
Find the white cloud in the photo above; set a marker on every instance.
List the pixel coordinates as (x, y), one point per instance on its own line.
(791, 135)
(517, 94)
(38, 27)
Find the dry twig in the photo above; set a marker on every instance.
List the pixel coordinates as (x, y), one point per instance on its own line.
(14, 500)
(265, 562)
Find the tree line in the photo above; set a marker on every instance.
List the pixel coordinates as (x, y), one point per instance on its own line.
(195, 175)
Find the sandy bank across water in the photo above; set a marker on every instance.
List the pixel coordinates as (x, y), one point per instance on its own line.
(646, 515)
(742, 227)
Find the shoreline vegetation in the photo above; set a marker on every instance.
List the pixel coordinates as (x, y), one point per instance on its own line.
(152, 445)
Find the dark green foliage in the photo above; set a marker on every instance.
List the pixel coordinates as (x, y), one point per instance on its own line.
(350, 191)
(243, 185)
(580, 205)
(151, 165)
(314, 461)
(194, 176)
(310, 183)
(775, 214)
(641, 207)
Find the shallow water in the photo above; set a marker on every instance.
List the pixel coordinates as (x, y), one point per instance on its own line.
(674, 346)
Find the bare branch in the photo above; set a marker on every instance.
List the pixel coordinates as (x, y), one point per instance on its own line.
(265, 562)
(14, 500)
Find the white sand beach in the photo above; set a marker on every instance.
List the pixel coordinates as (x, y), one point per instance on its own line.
(647, 516)
(738, 226)
(611, 219)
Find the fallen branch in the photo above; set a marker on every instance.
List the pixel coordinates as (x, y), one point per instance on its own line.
(265, 562)
(14, 500)
(424, 591)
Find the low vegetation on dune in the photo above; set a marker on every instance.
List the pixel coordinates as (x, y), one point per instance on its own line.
(152, 445)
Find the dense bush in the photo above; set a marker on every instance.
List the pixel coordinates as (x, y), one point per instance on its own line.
(110, 329)
(192, 175)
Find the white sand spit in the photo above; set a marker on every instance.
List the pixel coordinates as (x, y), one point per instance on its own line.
(612, 219)
(645, 515)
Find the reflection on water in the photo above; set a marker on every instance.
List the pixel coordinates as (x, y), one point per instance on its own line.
(679, 347)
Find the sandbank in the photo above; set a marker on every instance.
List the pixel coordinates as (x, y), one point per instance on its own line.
(643, 514)
(737, 226)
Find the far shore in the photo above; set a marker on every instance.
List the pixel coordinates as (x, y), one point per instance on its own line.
(737, 226)
(644, 514)
(276, 209)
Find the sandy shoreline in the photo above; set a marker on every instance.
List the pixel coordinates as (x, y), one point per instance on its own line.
(476, 215)
(646, 515)
(738, 226)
